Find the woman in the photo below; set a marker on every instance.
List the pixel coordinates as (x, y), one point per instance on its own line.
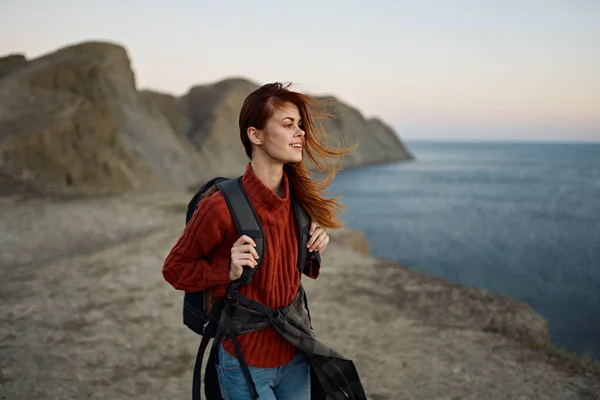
(277, 127)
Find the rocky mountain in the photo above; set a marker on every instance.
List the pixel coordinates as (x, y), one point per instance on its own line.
(74, 120)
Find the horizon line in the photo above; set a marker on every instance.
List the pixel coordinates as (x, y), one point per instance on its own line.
(496, 140)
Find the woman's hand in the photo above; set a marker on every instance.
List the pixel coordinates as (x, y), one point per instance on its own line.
(319, 238)
(243, 253)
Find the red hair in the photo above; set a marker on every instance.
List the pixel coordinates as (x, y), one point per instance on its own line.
(258, 108)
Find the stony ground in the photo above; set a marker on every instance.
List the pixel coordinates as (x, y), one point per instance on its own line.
(85, 314)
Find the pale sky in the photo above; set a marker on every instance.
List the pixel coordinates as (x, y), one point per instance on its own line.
(479, 69)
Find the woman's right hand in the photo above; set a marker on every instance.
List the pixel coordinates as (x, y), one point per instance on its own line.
(243, 253)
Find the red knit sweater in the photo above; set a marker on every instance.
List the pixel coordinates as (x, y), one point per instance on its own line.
(200, 260)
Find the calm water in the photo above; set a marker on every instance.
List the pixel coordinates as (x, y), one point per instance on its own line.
(522, 220)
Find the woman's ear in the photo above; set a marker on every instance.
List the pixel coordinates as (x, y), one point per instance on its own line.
(255, 136)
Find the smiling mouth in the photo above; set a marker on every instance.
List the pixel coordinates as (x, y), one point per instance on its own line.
(296, 146)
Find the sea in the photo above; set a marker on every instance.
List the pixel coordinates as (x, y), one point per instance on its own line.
(518, 219)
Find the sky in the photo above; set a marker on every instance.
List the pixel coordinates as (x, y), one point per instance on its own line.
(452, 70)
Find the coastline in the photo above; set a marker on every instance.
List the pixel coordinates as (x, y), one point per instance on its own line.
(102, 323)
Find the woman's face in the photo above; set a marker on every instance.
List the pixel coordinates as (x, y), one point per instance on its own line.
(283, 137)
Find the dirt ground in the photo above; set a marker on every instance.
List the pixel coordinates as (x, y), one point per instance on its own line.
(86, 314)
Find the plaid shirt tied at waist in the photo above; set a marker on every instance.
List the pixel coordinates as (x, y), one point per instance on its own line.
(333, 376)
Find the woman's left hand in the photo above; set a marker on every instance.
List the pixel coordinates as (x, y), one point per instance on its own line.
(319, 238)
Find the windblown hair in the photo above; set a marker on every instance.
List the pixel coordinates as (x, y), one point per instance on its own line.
(258, 108)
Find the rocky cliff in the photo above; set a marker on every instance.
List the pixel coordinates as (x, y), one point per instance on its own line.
(74, 120)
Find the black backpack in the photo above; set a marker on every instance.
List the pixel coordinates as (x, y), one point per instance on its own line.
(195, 314)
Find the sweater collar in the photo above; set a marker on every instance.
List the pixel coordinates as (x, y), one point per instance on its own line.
(260, 195)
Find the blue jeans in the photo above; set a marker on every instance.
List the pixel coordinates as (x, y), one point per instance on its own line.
(288, 382)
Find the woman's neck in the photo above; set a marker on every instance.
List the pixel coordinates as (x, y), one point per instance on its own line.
(270, 174)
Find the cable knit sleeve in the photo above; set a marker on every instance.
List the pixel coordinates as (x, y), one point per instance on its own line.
(193, 264)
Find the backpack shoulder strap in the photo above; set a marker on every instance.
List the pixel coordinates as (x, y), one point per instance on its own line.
(245, 219)
(303, 221)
